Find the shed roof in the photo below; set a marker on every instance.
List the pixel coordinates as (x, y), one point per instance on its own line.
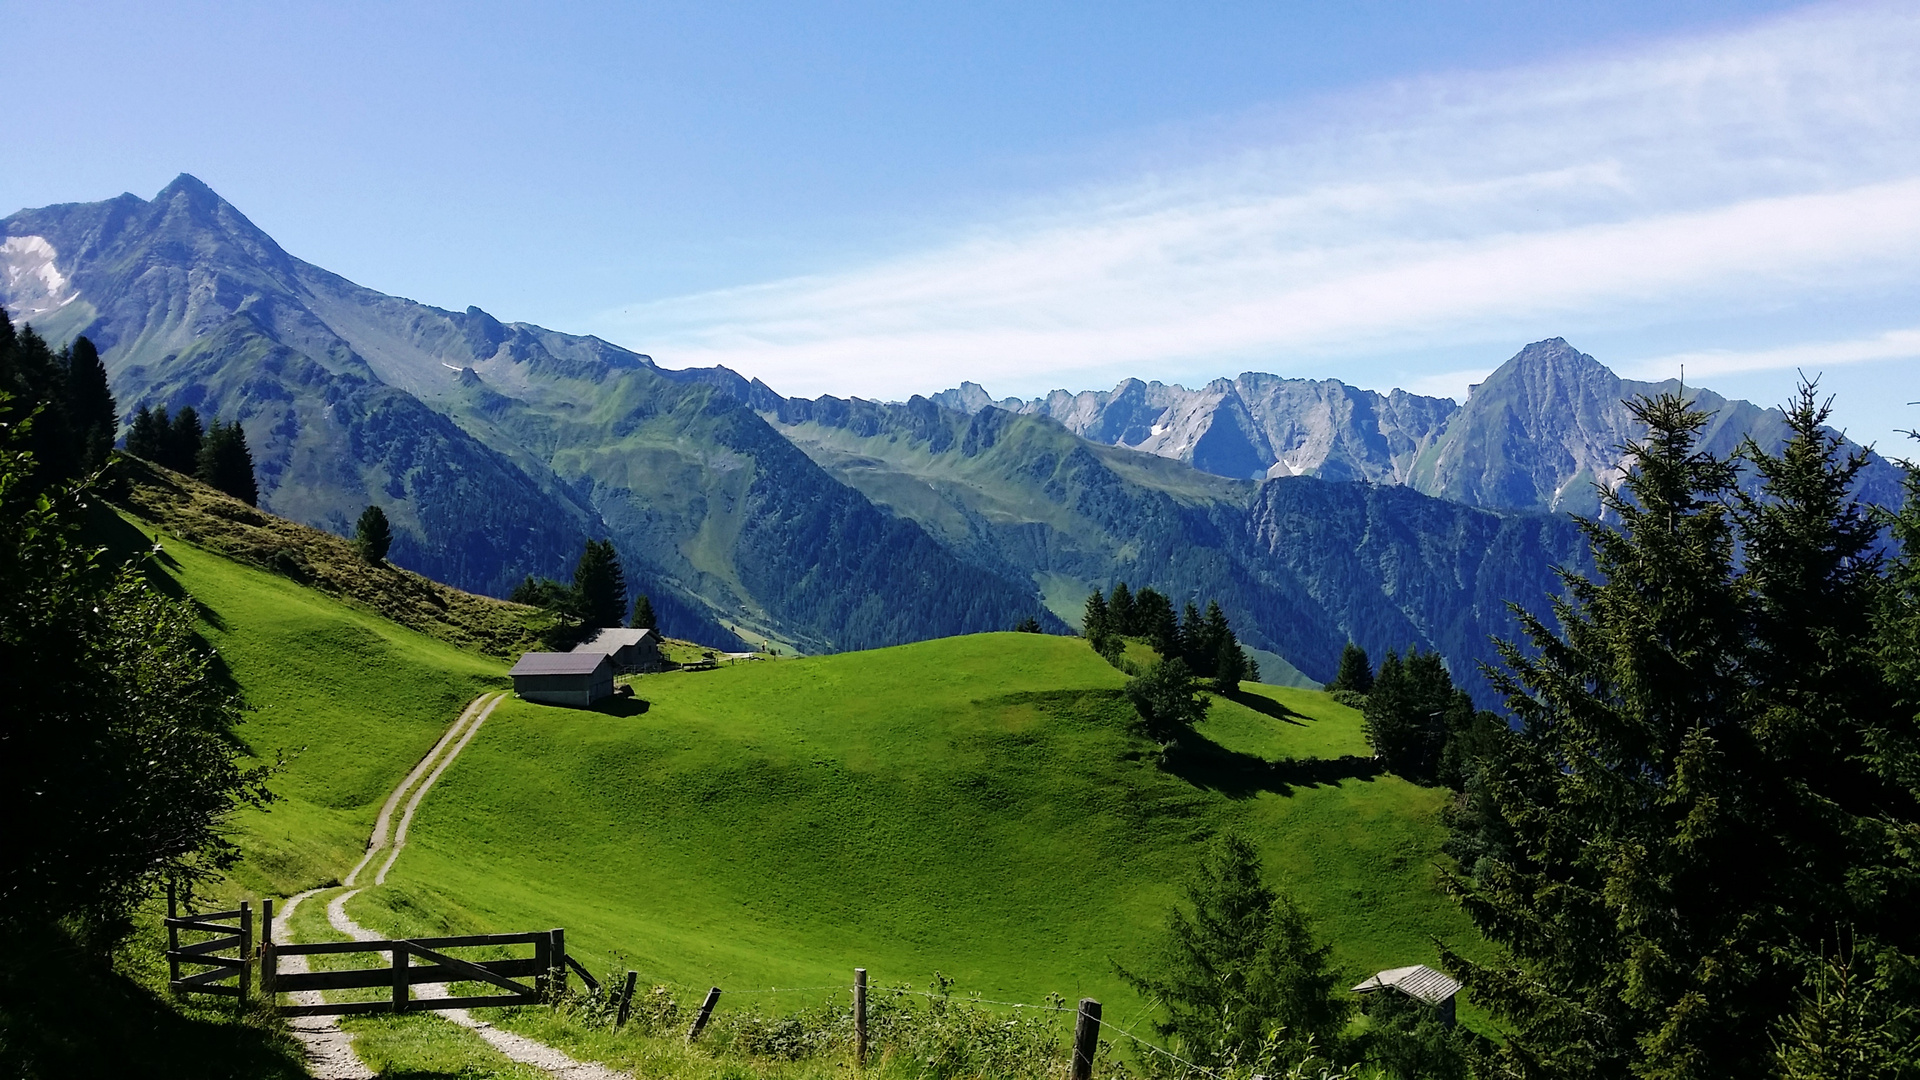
(559, 663)
(1418, 981)
(611, 638)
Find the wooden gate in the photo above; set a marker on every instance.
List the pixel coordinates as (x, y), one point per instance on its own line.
(547, 968)
(232, 932)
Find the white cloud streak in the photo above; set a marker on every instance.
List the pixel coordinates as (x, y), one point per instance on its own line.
(1710, 174)
(1810, 357)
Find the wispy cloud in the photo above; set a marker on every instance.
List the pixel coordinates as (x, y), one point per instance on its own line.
(1810, 357)
(1702, 175)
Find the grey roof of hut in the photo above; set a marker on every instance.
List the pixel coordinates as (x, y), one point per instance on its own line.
(611, 638)
(558, 663)
(1418, 981)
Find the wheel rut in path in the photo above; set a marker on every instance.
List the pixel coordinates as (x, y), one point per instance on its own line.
(517, 1048)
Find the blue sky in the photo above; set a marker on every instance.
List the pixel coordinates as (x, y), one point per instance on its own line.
(882, 199)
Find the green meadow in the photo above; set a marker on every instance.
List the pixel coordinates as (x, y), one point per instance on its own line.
(976, 806)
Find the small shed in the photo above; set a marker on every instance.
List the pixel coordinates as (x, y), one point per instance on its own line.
(563, 678)
(630, 649)
(1421, 983)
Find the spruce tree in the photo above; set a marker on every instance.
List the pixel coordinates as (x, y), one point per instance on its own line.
(1240, 976)
(643, 617)
(1713, 768)
(181, 450)
(147, 434)
(224, 462)
(372, 535)
(1356, 672)
(599, 586)
(1192, 649)
(1097, 622)
(1120, 608)
(95, 417)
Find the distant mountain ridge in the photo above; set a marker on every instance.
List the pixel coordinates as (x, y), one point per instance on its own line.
(497, 448)
(1537, 435)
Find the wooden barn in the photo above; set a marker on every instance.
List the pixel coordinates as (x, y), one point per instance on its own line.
(1421, 983)
(564, 678)
(631, 650)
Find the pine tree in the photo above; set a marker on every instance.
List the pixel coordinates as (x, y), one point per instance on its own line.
(1154, 620)
(1356, 672)
(1192, 649)
(1240, 973)
(1120, 610)
(599, 586)
(643, 617)
(224, 462)
(181, 450)
(147, 434)
(1098, 622)
(1029, 625)
(1711, 771)
(372, 535)
(90, 405)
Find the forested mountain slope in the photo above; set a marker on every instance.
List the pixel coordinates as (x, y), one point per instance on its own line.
(495, 449)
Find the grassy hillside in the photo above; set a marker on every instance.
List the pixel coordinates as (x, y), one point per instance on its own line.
(351, 698)
(973, 805)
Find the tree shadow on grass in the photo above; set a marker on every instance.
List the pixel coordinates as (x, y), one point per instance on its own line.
(1266, 706)
(1207, 765)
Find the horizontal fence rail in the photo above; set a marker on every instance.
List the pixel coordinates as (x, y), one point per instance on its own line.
(224, 975)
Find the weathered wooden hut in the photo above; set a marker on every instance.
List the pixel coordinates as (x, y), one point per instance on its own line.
(564, 678)
(1434, 989)
(631, 649)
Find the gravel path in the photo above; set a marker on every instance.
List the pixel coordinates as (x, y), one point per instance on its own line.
(330, 1053)
(329, 1048)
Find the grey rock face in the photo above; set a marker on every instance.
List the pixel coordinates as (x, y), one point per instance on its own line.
(1539, 434)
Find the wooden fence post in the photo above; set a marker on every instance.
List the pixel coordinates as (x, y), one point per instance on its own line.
(246, 950)
(542, 963)
(860, 1017)
(173, 934)
(1086, 1039)
(399, 976)
(626, 999)
(558, 958)
(269, 966)
(706, 1013)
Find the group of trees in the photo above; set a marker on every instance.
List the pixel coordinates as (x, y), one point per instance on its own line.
(1419, 724)
(1205, 644)
(1699, 849)
(218, 454)
(117, 761)
(66, 393)
(596, 599)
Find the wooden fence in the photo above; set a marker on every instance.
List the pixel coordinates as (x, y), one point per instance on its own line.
(232, 932)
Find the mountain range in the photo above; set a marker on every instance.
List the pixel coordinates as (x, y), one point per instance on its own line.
(1314, 511)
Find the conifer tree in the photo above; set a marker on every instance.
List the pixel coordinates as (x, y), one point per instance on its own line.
(147, 434)
(1098, 622)
(1356, 672)
(95, 417)
(1409, 712)
(1240, 969)
(1713, 767)
(599, 586)
(224, 462)
(372, 535)
(1192, 649)
(643, 616)
(181, 450)
(1120, 608)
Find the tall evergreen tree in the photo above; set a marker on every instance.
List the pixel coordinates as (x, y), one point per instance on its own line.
(1356, 671)
(147, 434)
(1120, 607)
(373, 535)
(1713, 782)
(90, 405)
(1097, 622)
(181, 451)
(1154, 620)
(599, 585)
(225, 463)
(1409, 712)
(1192, 650)
(1240, 969)
(643, 616)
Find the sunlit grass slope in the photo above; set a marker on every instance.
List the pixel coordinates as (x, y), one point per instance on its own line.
(974, 805)
(352, 699)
